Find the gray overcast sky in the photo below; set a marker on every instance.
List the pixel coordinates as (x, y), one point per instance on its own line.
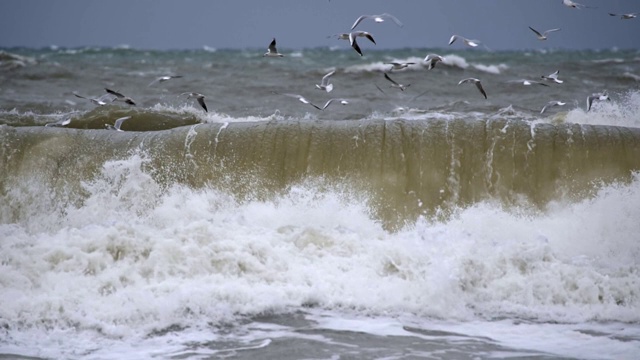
(191, 24)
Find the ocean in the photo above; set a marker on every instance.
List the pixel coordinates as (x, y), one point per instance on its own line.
(429, 223)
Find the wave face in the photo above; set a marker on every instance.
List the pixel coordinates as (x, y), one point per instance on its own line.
(406, 169)
(213, 224)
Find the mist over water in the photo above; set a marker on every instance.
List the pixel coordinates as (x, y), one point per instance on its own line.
(412, 225)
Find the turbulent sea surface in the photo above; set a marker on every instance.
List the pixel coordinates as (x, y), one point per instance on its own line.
(426, 223)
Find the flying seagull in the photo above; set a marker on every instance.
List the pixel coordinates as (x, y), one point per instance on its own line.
(345, 36)
(552, 103)
(625, 16)
(575, 5)
(198, 97)
(377, 18)
(354, 44)
(432, 60)
(120, 97)
(117, 124)
(272, 51)
(61, 123)
(302, 99)
(542, 36)
(98, 101)
(399, 66)
(526, 82)
(553, 77)
(468, 42)
(394, 84)
(164, 78)
(342, 101)
(597, 96)
(352, 39)
(478, 85)
(324, 84)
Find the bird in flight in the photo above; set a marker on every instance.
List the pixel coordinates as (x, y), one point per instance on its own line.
(272, 51)
(162, 79)
(552, 103)
(198, 97)
(474, 81)
(117, 124)
(542, 36)
(324, 84)
(120, 97)
(625, 16)
(394, 84)
(377, 18)
(432, 60)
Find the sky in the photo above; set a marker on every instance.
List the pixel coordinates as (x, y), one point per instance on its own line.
(192, 24)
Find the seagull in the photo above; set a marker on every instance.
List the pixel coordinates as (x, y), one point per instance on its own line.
(553, 77)
(526, 82)
(542, 36)
(399, 66)
(120, 97)
(354, 44)
(198, 97)
(345, 36)
(342, 101)
(271, 50)
(352, 38)
(433, 59)
(98, 101)
(117, 124)
(302, 100)
(552, 103)
(377, 18)
(61, 123)
(164, 78)
(574, 5)
(395, 84)
(475, 81)
(625, 16)
(324, 84)
(472, 43)
(597, 96)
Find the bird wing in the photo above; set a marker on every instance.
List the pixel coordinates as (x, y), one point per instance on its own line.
(201, 102)
(117, 94)
(479, 86)
(390, 79)
(551, 30)
(358, 20)
(395, 20)
(453, 39)
(354, 44)
(119, 122)
(154, 81)
(590, 101)
(535, 31)
(327, 103)
(368, 36)
(272, 46)
(325, 79)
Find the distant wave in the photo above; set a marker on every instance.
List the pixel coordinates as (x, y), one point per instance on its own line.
(10, 61)
(451, 60)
